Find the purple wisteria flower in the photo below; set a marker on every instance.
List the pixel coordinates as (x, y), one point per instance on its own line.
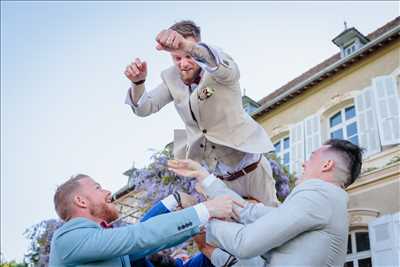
(284, 181)
(158, 182)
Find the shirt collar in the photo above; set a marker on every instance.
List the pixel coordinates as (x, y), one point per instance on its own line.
(196, 81)
(105, 225)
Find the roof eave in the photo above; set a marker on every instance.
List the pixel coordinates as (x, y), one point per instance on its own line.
(122, 192)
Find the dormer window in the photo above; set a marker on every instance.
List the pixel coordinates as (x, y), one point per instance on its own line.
(350, 49)
(349, 41)
(249, 105)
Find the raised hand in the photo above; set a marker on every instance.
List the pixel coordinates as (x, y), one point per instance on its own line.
(136, 71)
(170, 40)
(188, 168)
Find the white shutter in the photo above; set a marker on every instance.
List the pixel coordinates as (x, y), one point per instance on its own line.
(368, 133)
(296, 137)
(384, 245)
(312, 134)
(396, 236)
(387, 103)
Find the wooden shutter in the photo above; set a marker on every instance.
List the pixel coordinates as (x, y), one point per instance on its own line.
(296, 136)
(312, 134)
(383, 240)
(387, 104)
(368, 132)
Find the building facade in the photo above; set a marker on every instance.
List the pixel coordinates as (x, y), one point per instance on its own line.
(353, 95)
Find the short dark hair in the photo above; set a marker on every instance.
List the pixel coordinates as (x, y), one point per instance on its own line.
(187, 28)
(352, 154)
(63, 196)
(162, 260)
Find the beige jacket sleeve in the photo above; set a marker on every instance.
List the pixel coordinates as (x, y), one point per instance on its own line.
(226, 72)
(149, 102)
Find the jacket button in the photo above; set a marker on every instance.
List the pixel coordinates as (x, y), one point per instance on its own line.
(213, 147)
(205, 131)
(201, 145)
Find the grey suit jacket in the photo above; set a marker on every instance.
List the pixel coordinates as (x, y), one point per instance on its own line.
(82, 242)
(309, 229)
(219, 118)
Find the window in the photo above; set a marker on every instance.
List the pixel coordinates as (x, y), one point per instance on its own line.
(350, 49)
(343, 125)
(282, 151)
(358, 250)
(249, 108)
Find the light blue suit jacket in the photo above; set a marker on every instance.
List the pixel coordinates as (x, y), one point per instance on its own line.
(82, 242)
(309, 229)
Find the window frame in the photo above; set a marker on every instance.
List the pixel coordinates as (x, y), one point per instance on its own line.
(344, 122)
(281, 154)
(350, 48)
(355, 256)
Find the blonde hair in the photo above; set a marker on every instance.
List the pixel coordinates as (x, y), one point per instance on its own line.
(63, 196)
(187, 28)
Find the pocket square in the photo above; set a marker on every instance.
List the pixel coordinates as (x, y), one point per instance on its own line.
(205, 93)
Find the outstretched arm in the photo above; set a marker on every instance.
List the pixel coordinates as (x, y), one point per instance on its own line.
(90, 243)
(144, 103)
(221, 66)
(87, 242)
(306, 210)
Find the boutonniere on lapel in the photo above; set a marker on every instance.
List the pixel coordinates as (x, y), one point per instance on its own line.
(205, 93)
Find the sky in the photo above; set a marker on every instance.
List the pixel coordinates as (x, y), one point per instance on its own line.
(63, 87)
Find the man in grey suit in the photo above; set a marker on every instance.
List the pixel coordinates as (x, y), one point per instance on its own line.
(310, 228)
(204, 86)
(87, 210)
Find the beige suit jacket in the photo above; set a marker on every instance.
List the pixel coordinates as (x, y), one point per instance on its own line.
(219, 118)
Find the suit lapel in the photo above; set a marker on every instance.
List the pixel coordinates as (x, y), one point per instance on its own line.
(182, 91)
(195, 103)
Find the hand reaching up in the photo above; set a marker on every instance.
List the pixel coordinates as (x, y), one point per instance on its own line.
(188, 168)
(136, 71)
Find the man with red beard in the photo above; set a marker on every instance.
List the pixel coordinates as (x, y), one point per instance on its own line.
(86, 240)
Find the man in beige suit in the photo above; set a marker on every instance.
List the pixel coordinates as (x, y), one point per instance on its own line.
(204, 86)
